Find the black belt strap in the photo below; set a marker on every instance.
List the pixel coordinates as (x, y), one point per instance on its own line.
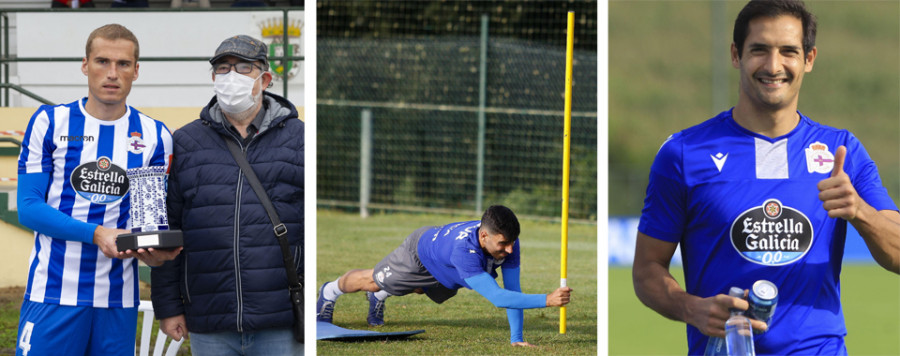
(294, 283)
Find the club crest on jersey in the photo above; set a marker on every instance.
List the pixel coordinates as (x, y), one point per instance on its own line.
(101, 182)
(818, 158)
(772, 234)
(135, 143)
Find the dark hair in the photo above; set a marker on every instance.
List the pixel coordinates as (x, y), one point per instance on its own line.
(112, 32)
(775, 8)
(499, 219)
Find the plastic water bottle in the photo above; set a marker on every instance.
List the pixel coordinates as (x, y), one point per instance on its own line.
(738, 333)
(717, 346)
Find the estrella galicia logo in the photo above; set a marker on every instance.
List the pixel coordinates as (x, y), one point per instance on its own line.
(772, 234)
(101, 182)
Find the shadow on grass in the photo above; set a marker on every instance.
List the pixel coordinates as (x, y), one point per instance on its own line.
(405, 325)
(373, 340)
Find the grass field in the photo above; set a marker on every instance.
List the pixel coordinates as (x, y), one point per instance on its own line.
(870, 297)
(467, 323)
(10, 302)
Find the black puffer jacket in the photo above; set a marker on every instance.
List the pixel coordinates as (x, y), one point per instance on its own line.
(230, 275)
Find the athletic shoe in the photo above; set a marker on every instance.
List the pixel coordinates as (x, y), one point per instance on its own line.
(376, 310)
(324, 307)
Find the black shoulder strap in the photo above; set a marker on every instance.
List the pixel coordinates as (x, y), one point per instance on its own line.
(280, 229)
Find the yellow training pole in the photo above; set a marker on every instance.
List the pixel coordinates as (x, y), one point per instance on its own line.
(567, 140)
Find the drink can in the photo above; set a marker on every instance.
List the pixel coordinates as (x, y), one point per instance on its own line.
(763, 298)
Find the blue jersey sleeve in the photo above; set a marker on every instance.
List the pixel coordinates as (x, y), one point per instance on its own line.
(163, 153)
(864, 174)
(469, 262)
(36, 214)
(504, 298)
(516, 317)
(37, 146)
(664, 213)
(513, 300)
(511, 261)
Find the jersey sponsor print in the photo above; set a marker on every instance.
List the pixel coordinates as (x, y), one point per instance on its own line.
(772, 234)
(100, 181)
(86, 159)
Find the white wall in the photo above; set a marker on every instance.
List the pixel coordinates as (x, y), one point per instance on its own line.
(24, 4)
(160, 84)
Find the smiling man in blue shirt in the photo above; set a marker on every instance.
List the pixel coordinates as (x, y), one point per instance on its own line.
(761, 191)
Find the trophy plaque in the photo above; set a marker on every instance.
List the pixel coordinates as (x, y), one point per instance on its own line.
(149, 222)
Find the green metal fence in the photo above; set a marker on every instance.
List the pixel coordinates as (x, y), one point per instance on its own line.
(423, 74)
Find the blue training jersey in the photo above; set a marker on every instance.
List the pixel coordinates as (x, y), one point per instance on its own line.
(745, 207)
(86, 159)
(451, 254)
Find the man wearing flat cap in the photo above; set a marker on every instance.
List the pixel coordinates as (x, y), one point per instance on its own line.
(229, 286)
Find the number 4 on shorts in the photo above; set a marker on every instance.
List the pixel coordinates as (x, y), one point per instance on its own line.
(25, 339)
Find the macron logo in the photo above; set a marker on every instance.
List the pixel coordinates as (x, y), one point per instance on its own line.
(719, 159)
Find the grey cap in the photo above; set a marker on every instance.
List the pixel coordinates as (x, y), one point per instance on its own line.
(243, 47)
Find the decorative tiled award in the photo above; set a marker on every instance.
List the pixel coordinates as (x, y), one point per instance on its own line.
(149, 222)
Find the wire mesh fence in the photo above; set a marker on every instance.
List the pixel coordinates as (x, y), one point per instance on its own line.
(417, 66)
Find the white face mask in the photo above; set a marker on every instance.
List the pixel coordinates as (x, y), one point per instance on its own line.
(234, 92)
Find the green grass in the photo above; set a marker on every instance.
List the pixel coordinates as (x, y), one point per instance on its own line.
(184, 348)
(869, 294)
(467, 323)
(9, 323)
(635, 329)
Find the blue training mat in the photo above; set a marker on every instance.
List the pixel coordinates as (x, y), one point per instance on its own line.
(329, 331)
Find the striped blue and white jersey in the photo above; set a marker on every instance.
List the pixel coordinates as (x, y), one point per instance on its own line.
(745, 207)
(86, 159)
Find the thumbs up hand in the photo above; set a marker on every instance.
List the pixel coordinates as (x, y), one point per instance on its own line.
(837, 194)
